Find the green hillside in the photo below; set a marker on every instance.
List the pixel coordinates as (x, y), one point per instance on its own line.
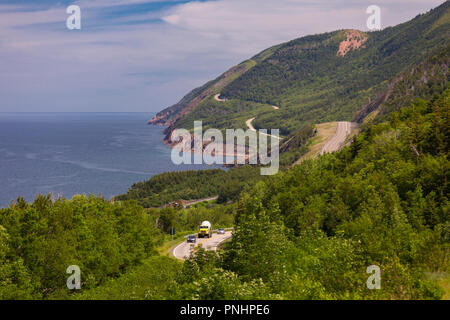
(309, 81)
(308, 232)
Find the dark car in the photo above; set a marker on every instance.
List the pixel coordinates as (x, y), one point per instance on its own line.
(191, 239)
(221, 231)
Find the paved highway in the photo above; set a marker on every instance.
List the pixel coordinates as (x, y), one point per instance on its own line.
(216, 97)
(193, 202)
(343, 130)
(250, 126)
(249, 121)
(184, 249)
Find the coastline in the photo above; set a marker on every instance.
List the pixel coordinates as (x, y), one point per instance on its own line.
(167, 131)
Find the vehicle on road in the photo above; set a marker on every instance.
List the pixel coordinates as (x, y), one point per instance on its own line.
(205, 230)
(191, 238)
(221, 231)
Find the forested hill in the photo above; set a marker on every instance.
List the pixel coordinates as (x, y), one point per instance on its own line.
(308, 232)
(312, 79)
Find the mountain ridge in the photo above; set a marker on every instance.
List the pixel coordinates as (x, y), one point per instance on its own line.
(312, 79)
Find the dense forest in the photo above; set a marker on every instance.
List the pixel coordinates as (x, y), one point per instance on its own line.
(190, 185)
(107, 240)
(311, 232)
(38, 241)
(306, 233)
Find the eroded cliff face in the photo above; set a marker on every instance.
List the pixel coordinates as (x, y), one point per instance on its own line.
(355, 39)
(160, 120)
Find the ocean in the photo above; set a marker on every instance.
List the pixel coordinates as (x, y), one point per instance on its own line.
(79, 153)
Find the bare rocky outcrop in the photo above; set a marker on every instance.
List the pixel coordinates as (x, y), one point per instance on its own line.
(355, 39)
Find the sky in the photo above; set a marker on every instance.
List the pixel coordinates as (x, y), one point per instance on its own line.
(145, 55)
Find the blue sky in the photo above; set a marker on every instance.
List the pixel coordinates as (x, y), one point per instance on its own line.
(144, 55)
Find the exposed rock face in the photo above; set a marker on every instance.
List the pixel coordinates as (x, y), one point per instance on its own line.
(355, 40)
(160, 120)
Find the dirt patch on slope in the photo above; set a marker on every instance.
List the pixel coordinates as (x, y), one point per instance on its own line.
(355, 40)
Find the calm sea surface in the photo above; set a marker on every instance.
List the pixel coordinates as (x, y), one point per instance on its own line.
(73, 153)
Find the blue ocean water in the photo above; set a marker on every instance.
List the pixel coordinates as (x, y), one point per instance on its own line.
(75, 153)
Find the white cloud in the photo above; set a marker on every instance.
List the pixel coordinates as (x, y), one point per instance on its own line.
(173, 19)
(251, 25)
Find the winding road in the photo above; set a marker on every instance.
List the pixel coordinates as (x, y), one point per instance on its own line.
(249, 121)
(193, 202)
(250, 126)
(183, 250)
(342, 131)
(216, 97)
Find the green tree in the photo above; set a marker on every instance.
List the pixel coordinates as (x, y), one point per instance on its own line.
(15, 281)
